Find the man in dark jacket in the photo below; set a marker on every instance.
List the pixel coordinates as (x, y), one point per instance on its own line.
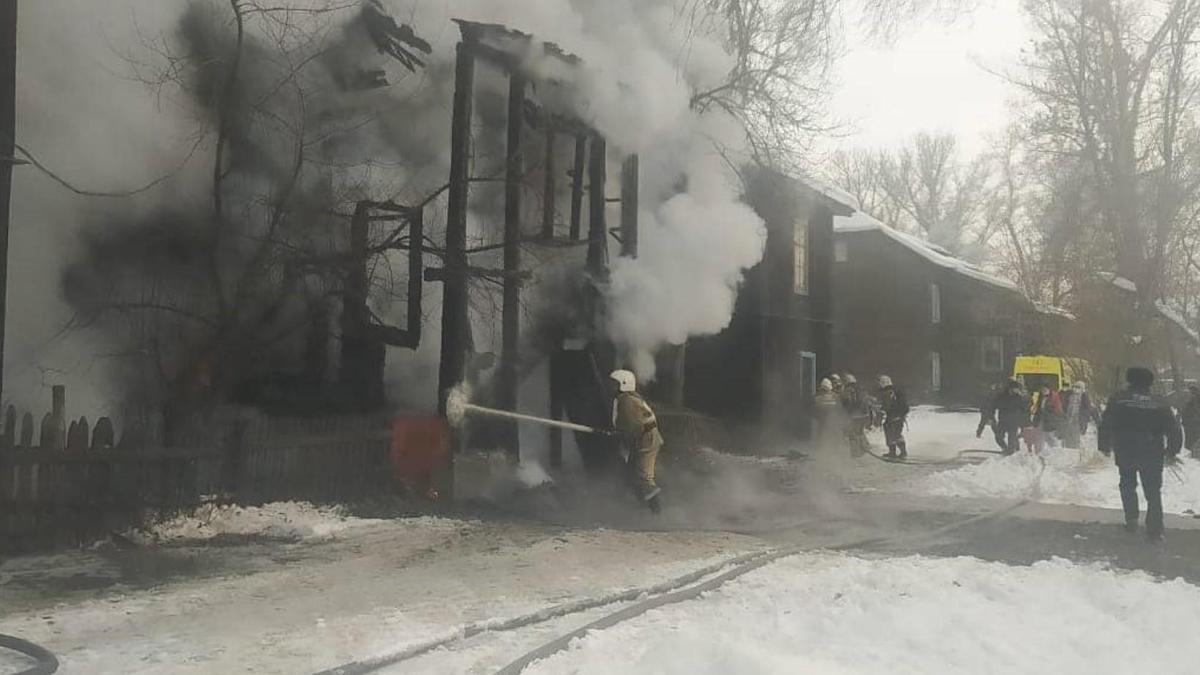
(987, 411)
(1007, 413)
(1141, 429)
(1191, 421)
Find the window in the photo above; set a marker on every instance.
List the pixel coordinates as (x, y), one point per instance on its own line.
(935, 371)
(840, 252)
(935, 304)
(800, 257)
(808, 373)
(991, 354)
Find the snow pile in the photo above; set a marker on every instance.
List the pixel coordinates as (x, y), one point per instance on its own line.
(837, 613)
(1069, 478)
(277, 520)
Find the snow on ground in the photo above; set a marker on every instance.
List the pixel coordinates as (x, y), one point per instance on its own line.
(1084, 478)
(1076, 477)
(277, 520)
(934, 434)
(368, 591)
(839, 613)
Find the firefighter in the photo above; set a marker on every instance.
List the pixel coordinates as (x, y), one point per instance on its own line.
(1141, 429)
(826, 414)
(835, 381)
(895, 414)
(858, 415)
(637, 428)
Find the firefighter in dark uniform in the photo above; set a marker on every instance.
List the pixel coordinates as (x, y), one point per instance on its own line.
(1141, 429)
(895, 414)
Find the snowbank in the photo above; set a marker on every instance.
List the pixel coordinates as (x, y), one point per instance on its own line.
(837, 613)
(277, 520)
(1071, 477)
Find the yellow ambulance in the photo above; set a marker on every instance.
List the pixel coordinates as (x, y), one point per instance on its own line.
(1054, 372)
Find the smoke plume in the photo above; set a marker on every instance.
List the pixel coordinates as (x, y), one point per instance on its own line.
(642, 61)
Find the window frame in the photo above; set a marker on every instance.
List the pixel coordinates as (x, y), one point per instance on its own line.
(986, 345)
(801, 260)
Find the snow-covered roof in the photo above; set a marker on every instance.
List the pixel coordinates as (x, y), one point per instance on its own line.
(829, 191)
(1163, 309)
(1045, 308)
(1166, 312)
(863, 222)
(1118, 281)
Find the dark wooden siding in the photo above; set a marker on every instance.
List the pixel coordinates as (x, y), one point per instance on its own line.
(751, 372)
(884, 323)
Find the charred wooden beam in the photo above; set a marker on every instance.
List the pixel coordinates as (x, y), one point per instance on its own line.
(442, 274)
(577, 186)
(629, 207)
(416, 281)
(360, 373)
(548, 187)
(454, 298)
(511, 309)
(597, 255)
(8, 132)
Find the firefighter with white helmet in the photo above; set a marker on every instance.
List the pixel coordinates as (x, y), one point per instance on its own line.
(858, 415)
(637, 427)
(895, 413)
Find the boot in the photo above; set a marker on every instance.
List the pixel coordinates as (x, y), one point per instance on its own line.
(1155, 536)
(903, 450)
(891, 453)
(1131, 526)
(654, 504)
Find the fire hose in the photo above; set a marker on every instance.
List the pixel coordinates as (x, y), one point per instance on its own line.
(457, 408)
(46, 664)
(697, 590)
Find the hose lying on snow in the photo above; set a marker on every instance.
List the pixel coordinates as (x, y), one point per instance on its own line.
(692, 592)
(46, 662)
(695, 591)
(963, 457)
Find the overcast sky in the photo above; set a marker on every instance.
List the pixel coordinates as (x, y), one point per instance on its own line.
(932, 78)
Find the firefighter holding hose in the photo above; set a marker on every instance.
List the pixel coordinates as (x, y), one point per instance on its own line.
(637, 428)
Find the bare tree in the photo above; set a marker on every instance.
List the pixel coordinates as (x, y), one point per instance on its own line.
(924, 188)
(209, 303)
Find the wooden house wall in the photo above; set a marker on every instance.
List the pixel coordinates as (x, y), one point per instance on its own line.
(752, 371)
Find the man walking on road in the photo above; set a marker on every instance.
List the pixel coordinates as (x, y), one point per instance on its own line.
(1007, 413)
(1142, 430)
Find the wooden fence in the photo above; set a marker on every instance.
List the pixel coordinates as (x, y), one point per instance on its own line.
(76, 485)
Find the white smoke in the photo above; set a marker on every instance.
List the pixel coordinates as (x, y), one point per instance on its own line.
(643, 61)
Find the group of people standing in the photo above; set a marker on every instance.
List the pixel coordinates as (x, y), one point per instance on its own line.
(843, 413)
(1042, 416)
